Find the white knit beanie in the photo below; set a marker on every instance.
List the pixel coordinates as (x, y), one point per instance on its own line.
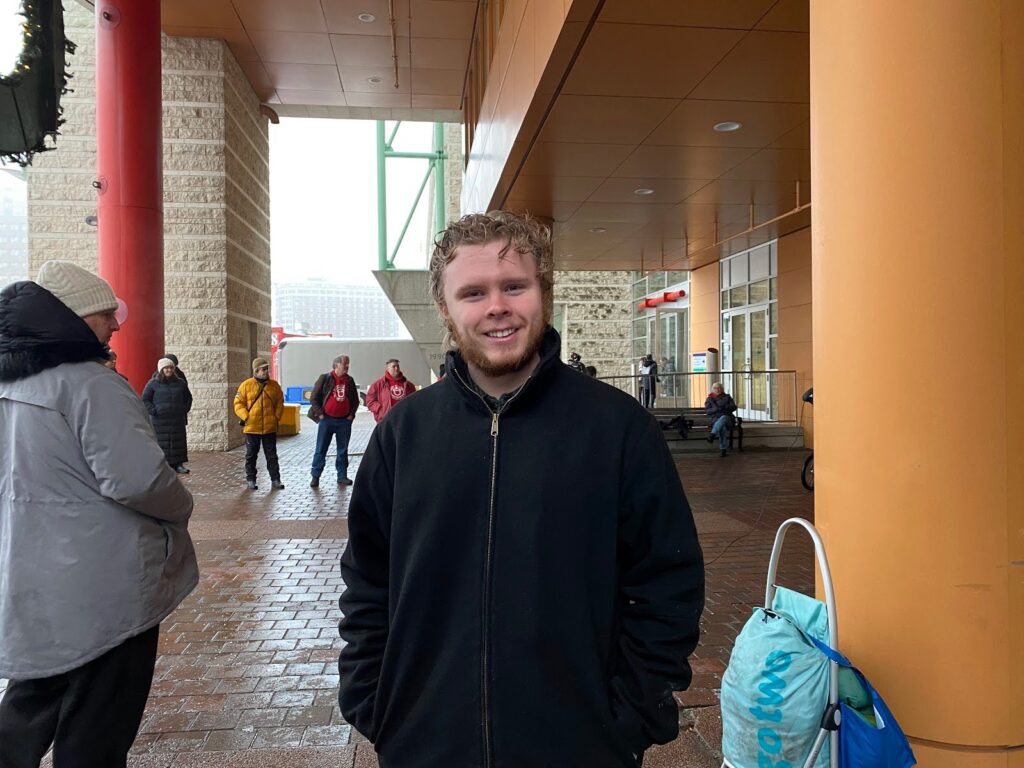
(80, 290)
(163, 363)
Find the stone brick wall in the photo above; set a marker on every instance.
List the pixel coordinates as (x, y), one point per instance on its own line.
(598, 318)
(216, 215)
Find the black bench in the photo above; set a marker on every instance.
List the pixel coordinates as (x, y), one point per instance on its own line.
(694, 424)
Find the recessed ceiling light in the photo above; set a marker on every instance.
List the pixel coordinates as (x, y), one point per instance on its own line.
(598, 230)
(366, 18)
(566, 255)
(375, 80)
(728, 126)
(643, 191)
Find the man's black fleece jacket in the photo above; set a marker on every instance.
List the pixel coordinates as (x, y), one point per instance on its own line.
(523, 589)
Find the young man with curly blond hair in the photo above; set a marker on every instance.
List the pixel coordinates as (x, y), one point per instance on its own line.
(515, 599)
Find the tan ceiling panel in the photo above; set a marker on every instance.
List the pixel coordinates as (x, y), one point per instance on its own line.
(745, 191)
(436, 102)
(358, 80)
(293, 47)
(692, 123)
(635, 212)
(557, 188)
(322, 98)
(198, 13)
(648, 61)
(726, 14)
(604, 119)
(342, 17)
(236, 38)
(549, 158)
(452, 19)
(438, 82)
(243, 51)
(544, 208)
(617, 190)
(438, 53)
(258, 78)
(765, 66)
(666, 162)
(778, 164)
(798, 138)
(303, 76)
(377, 99)
(292, 16)
(368, 51)
(788, 16)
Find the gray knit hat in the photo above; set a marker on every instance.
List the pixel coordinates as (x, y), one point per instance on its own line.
(80, 290)
(164, 362)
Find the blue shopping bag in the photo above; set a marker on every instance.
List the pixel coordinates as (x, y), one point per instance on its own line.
(863, 744)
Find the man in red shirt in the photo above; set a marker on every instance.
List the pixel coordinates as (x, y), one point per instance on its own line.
(389, 390)
(333, 405)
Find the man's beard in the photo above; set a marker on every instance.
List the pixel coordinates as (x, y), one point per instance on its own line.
(474, 354)
(262, 376)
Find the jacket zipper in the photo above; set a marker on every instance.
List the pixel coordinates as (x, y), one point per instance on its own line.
(486, 601)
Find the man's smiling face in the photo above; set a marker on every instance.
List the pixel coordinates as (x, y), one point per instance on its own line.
(494, 308)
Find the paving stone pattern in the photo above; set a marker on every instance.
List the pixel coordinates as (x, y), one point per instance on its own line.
(247, 666)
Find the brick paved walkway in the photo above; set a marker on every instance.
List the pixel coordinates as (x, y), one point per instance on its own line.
(247, 673)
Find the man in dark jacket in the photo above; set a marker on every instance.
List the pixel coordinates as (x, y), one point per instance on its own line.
(333, 406)
(515, 600)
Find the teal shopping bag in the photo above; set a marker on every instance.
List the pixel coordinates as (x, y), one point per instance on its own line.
(774, 693)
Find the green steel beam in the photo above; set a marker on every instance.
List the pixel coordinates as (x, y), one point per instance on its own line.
(382, 201)
(412, 155)
(439, 185)
(391, 138)
(408, 220)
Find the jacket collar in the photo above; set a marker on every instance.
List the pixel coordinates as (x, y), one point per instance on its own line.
(550, 359)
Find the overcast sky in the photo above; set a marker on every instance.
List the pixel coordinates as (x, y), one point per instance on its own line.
(323, 199)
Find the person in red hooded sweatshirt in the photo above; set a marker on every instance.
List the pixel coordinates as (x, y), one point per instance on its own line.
(389, 390)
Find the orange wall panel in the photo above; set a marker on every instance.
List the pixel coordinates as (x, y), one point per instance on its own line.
(795, 320)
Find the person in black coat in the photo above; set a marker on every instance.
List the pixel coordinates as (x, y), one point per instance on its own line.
(648, 381)
(720, 406)
(168, 400)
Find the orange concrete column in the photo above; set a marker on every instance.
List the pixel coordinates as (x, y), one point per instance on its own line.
(917, 124)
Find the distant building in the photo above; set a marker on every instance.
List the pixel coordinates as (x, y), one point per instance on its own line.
(13, 230)
(346, 311)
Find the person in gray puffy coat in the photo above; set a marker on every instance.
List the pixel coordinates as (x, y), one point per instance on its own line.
(94, 546)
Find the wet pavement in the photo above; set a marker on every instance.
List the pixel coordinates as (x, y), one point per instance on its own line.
(247, 675)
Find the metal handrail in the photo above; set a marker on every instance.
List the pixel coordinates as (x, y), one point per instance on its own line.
(776, 393)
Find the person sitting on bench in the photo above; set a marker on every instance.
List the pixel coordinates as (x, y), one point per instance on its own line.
(720, 406)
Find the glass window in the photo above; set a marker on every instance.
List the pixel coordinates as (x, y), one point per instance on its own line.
(725, 299)
(640, 328)
(675, 277)
(656, 282)
(759, 292)
(740, 269)
(759, 265)
(738, 296)
(773, 323)
(773, 348)
(640, 288)
(725, 274)
(773, 289)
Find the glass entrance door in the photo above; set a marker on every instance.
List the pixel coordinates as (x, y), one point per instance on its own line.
(745, 359)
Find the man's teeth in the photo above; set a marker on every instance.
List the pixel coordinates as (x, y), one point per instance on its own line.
(501, 334)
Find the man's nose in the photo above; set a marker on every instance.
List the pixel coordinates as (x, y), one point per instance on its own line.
(497, 304)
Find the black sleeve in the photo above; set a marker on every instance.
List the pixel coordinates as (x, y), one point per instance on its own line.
(316, 396)
(364, 603)
(188, 397)
(661, 591)
(709, 407)
(147, 398)
(353, 393)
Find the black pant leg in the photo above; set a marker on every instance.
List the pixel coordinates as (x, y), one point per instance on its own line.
(270, 452)
(103, 706)
(28, 720)
(252, 450)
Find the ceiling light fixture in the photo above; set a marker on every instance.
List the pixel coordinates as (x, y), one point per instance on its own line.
(643, 191)
(366, 18)
(598, 230)
(375, 80)
(728, 126)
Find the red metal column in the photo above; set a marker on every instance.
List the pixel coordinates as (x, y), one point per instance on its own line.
(130, 177)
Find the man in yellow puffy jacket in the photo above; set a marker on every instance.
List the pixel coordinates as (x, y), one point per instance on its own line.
(259, 406)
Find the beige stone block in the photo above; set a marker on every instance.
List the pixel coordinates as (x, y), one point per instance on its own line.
(248, 193)
(244, 237)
